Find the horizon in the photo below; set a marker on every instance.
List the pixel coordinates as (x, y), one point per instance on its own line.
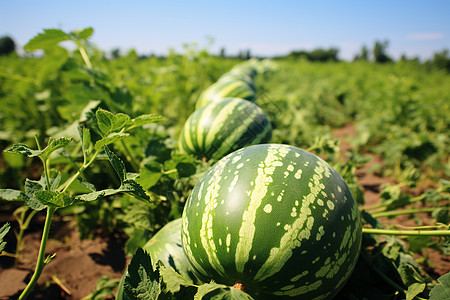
(411, 28)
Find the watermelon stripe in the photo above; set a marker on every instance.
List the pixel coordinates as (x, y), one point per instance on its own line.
(247, 231)
(226, 89)
(206, 232)
(223, 112)
(279, 256)
(221, 127)
(242, 132)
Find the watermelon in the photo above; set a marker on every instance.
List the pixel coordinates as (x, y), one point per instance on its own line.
(165, 246)
(234, 76)
(219, 128)
(226, 89)
(275, 220)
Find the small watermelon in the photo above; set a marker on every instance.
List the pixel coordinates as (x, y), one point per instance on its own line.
(219, 128)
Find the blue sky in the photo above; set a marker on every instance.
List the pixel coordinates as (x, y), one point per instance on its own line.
(414, 28)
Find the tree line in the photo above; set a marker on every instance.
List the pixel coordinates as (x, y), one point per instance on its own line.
(378, 54)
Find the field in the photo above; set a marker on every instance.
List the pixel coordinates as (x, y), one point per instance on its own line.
(113, 174)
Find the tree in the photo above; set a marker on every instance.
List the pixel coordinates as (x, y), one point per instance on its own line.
(7, 45)
(441, 60)
(364, 55)
(379, 52)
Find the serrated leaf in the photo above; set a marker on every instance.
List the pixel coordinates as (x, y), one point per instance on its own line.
(104, 120)
(53, 145)
(23, 149)
(49, 38)
(114, 137)
(55, 180)
(207, 288)
(117, 164)
(134, 188)
(3, 231)
(55, 199)
(85, 137)
(109, 122)
(91, 196)
(172, 279)
(442, 290)
(104, 290)
(146, 119)
(12, 195)
(86, 184)
(83, 34)
(414, 290)
(31, 187)
(141, 281)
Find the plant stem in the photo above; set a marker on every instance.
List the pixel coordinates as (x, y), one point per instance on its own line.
(63, 187)
(131, 157)
(407, 232)
(84, 55)
(384, 204)
(41, 262)
(402, 212)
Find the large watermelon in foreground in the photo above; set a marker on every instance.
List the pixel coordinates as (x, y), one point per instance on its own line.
(219, 128)
(275, 219)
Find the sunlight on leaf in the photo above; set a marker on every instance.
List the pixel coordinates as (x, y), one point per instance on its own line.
(50, 37)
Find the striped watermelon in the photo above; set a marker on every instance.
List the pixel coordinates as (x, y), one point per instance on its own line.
(234, 76)
(226, 89)
(219, 128)
(275, 219)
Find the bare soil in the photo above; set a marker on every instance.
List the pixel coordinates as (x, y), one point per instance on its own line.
(78, 264)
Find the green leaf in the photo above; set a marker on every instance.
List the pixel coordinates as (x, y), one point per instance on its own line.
(31, 187)
(172, 279)
(55, 180)
(117, 164)
(85, 138)
(146, 119)
(207, 288)
(55, 199)
(53, 145)
(150, 175)
(23, 149)
(109, 122)
(91, 196)
(442, 290)
(82, 34)
(114, 137)
(142, 282)
(49, 38)
(87, 184)
(3, 231)
(104, 290)
(134, 188)
(414, 290)
(12, 195)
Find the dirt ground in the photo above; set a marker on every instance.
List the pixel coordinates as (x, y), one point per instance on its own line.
(79, 263)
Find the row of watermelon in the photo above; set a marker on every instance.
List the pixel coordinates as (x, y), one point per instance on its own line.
(227, 117)
(271, 219)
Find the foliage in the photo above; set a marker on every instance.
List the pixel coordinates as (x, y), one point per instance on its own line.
(7, 45)
(84, 107)
(379, 52)
(318, 55)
